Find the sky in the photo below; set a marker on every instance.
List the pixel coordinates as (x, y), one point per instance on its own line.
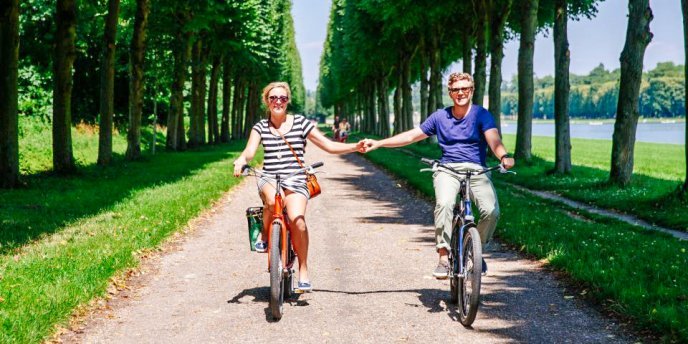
(591, 42)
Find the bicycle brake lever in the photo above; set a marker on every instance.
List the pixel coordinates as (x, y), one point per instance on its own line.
(504, 170)
(427, 170)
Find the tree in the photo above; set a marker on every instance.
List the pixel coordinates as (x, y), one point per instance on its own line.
(107, 84)
(638, 36)
(562, 134)
(9, 59)
(479, 76)
(528, 11)
(64, 53)
(684, 10)
(137, 54)
(498, 13)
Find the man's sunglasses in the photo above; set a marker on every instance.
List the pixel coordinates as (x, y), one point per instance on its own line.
(283, 99)
(461, 89)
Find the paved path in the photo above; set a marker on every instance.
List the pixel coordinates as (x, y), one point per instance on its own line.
(371, 257)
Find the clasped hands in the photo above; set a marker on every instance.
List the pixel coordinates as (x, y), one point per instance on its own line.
(367, 145)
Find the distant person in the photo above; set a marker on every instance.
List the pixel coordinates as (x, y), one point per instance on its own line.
(344, 128)
(335, 127)
(464, 131)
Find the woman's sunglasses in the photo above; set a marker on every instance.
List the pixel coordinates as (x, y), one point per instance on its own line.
(274, 99)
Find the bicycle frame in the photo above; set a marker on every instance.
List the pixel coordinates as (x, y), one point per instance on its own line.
(279, 216)
(279, 213)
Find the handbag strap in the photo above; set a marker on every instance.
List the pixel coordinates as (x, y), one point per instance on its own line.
(287, 142)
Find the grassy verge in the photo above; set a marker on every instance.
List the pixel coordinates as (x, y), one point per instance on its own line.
(632, 272)
(659, 170)
(64, 238)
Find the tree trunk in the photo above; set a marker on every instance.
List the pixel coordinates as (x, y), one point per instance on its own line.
(138, 53)
(9, 60)
(436, 88)
(397, 106)
(213, 130)
(423, 87)
(406, 96)
(250, 106)
(499, 12)
(226, 94)
(107, 84)
(480, 75)
(63, 61)
(467, 54)
(181, 56)
(383, 104)
(562, 134)
(638, 36)
(684, 10)
(155, 125)
(525, 80)
(237, 107)
(196, 114)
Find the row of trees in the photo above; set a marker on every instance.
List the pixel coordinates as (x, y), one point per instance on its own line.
(595, 95)
(177, 53)
(414, 41)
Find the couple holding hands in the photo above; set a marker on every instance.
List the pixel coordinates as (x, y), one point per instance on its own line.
(464, 131)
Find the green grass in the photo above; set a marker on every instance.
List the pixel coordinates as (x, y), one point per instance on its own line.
(63, 239)
(659, 170)
(633, 272)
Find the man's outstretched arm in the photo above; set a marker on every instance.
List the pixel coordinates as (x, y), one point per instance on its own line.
(399, 140)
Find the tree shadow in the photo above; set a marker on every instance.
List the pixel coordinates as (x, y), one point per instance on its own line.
(50, 202)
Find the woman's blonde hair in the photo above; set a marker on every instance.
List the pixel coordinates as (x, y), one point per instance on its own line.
(269, 87)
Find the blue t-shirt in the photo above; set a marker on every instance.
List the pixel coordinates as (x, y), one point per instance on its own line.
(460, 140)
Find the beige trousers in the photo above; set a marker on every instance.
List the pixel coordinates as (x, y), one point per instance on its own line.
(482, 194)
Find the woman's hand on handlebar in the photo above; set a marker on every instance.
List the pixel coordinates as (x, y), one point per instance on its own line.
(239, 163)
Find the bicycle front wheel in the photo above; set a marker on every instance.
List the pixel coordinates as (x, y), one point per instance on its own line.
(469, 287)
(276, 272)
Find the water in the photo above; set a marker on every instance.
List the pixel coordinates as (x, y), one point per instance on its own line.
(666, 132)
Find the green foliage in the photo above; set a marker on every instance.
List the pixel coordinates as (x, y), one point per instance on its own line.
(595, 95)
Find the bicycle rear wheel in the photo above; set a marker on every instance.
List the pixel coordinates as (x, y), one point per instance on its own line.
(276, 272)
(469, 286)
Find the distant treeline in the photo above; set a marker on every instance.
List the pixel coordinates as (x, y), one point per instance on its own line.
(595, 95)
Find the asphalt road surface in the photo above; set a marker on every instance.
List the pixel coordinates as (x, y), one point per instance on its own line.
(371, 258)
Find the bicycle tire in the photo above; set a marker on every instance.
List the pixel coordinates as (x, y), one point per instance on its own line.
(469, 291)
(276, 272)
(453, 257)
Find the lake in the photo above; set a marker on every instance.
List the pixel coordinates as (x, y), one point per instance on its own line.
(664, 132)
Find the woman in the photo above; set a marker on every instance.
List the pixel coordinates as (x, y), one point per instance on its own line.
(279, 159)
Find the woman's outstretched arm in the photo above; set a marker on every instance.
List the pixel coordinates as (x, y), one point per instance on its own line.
(317, 137)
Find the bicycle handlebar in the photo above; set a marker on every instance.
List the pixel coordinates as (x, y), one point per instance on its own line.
(246, 169)
(436, 164)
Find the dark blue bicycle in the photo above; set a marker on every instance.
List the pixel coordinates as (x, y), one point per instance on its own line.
(466, 254)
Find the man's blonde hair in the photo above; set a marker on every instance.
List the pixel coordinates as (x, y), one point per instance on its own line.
(454, 77)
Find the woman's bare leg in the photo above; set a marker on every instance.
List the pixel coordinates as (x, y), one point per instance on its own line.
(296, 210)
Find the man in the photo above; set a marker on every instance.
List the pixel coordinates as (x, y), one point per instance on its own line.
(464, 131)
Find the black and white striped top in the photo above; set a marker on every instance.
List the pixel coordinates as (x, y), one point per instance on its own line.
(278, 158)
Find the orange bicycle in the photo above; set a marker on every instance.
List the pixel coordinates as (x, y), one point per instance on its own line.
(281, 254)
